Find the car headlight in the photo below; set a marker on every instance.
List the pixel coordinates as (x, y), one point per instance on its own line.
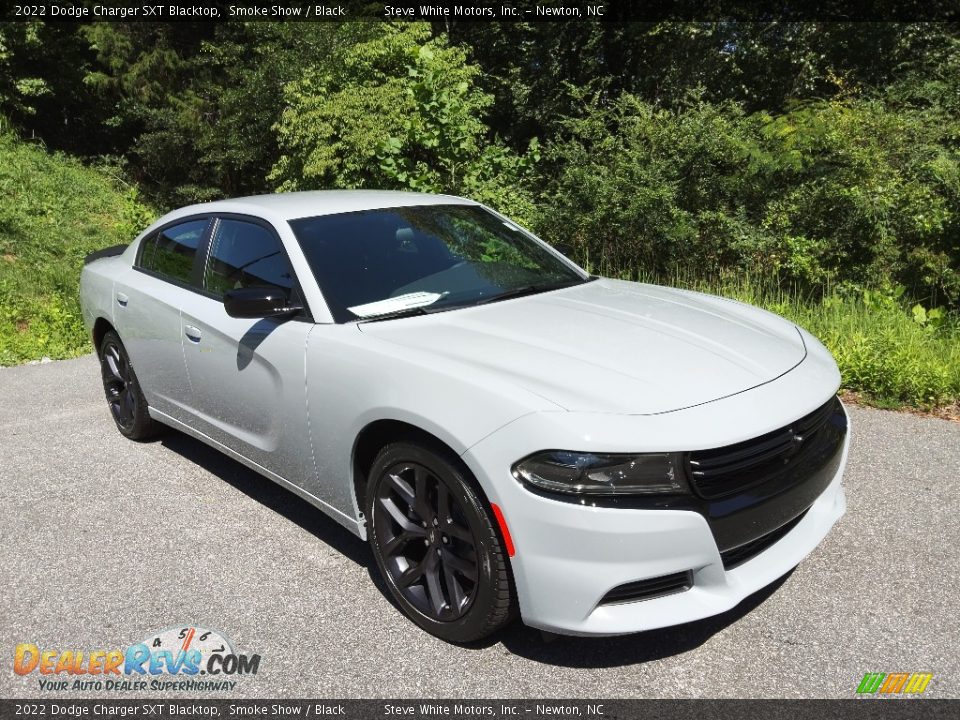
(601, 473)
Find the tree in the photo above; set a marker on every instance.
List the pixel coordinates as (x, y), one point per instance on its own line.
(42, 93)
(396, 109)
(195, 103)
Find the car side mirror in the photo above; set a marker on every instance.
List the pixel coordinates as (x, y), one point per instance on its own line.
(258, 302)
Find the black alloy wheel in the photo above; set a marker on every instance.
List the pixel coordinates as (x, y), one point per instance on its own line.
(427, 546)
(124, 397)
(436, 545)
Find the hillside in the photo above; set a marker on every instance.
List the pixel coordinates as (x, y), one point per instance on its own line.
(53, 211)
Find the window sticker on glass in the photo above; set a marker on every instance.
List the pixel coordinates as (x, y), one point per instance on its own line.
(390, 305)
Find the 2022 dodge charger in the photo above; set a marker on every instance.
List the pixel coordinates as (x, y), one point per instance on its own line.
(510, 433)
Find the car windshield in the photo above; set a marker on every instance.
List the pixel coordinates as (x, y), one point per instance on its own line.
(378, 264)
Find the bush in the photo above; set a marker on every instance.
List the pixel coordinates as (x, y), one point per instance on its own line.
(397, 110)
(841, 192)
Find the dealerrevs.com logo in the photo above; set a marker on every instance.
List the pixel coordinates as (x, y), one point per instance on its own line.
(185, 658)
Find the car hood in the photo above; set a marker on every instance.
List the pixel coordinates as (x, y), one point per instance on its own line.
(610, 345)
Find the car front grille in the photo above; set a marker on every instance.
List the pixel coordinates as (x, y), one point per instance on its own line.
(739, 555)
(733, 469)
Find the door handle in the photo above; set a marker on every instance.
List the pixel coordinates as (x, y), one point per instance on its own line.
(122, 299)
(192, 333)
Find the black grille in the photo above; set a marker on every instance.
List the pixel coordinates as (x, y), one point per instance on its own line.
(733, 469)
(647, 589)
(739, 555)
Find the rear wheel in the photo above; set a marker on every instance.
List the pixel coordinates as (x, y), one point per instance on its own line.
(122, 389)
(435, 543)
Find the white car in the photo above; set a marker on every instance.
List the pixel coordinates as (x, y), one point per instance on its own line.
(508, 432)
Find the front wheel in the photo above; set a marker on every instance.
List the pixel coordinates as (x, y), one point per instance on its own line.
(122, 389)
(435, 544)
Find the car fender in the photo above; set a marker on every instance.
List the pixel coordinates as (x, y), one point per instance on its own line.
(353, 380)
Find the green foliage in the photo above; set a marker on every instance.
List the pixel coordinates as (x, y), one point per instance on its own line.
(53, 212)
(872, 193)
(886, 354)
(931, 319)
(847, 192)
(194, 103)
(42, 90)
(397, 109)
(442, 132)
(763, 65)
(19, 89)
(347, 116)
(633, 186)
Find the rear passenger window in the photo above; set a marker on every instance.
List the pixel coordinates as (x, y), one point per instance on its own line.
(171, 252)
(244, 254)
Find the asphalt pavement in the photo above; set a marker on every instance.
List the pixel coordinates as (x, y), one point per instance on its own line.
(104, 542)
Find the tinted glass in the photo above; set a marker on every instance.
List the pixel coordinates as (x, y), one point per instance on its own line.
(172, 252)
(373, 262)
(242, 255)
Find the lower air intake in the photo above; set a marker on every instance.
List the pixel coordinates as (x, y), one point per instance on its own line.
(648, 589)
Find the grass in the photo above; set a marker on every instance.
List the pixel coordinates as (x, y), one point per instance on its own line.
(53, 211)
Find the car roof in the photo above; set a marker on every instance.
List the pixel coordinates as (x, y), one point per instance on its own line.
(311, 203)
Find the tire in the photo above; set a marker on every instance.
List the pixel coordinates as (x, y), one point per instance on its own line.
(125, 399)
(435, 543)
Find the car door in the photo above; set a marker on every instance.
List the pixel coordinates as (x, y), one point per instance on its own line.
(247, 375)
(147, 301)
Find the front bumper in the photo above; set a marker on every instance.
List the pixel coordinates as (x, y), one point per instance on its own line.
(570, 556)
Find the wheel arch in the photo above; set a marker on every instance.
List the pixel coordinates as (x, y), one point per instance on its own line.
(100, 328)
(379, 433)
(376, 435)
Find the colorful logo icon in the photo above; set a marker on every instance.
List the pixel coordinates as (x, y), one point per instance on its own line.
(894, 683)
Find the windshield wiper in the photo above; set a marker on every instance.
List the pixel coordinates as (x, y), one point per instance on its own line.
(534, 289)
(401, 313)
(505, 295)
